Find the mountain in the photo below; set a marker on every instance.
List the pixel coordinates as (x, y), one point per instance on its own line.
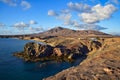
(60, 31)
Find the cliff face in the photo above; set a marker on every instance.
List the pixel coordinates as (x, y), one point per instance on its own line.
(101, 64)
(64, 49)
(34, 51)
(37, 49)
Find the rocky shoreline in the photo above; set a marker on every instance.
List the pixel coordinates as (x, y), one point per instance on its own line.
(67, 50)
(100, 61)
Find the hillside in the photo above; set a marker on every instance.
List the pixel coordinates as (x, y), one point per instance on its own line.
(59, 31)
(102, 64)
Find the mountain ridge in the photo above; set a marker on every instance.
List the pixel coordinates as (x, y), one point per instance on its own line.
(60, 31)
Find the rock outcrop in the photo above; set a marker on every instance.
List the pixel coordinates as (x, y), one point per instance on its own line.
(101, 64)
(34, 51)
(37, 49)
(65, 50)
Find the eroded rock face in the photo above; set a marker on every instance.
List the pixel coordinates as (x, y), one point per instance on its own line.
(34, 51)
(77, 50)
(94, 45)
(37, 49)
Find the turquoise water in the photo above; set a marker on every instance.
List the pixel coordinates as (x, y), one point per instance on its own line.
(12, 68)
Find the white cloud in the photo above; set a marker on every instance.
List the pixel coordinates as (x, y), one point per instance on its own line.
(32, 22)
(26, 5)
(9, 2)
(85, 26)
(64, 15)
(52, 13)
(90, 27)
(21, 25)
(26, 28)
(89, 15)
(66, 18)
(79, 7)
(98, 13)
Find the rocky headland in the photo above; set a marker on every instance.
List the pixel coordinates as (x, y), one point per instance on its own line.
(99, 53)
(61, 50)
(101, 64)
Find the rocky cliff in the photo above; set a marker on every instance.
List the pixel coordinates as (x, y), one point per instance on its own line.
(64, 49)
(101, 64)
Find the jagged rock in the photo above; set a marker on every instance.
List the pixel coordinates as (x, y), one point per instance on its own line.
(94, 45)
(77, 50)
(37, 49)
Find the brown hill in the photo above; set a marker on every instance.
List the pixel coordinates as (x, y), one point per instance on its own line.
(59, 31)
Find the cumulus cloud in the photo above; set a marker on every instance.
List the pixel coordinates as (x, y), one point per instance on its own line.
(90, 27)
(52, 13)
(9, 2)
(26, 5)
(79, 7)
(32, 22)
(67, 21)
(66, 18)
(98, 13)
(20, 25)
(64, 15)
(76, 24)
(26, 26)
(87, 16)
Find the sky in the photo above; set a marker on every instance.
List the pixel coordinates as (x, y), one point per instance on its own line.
(34, 16)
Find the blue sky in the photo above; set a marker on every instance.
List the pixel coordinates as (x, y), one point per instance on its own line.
(33, 16)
